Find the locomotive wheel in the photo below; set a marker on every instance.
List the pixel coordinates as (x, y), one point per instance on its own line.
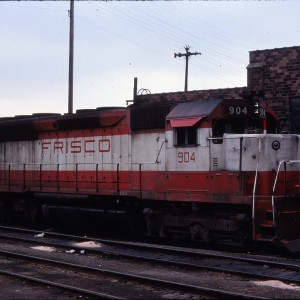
(199, 233)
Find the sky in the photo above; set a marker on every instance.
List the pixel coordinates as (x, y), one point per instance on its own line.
(116, 41)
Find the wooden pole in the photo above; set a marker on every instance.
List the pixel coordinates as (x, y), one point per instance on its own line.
(71, 58)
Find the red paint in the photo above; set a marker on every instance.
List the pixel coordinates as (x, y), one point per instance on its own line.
(184, 122)
(178, 186)
(99, 132)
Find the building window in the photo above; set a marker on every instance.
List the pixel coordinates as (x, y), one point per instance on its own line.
(185, 136)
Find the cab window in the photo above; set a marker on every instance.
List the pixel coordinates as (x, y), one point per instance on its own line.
(185, 136)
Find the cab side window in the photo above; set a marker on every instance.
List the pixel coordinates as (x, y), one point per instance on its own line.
(185, 136)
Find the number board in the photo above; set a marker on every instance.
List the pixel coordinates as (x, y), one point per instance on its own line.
(244, 110)
(237, 110)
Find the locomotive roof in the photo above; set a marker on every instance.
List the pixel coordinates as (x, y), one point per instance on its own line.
(211, 108)
(196, 109)
(27, 127)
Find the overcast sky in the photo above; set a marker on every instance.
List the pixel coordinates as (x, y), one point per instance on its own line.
(116, 41)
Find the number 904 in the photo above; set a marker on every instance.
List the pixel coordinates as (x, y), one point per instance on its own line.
(237, 110)
(186, 157)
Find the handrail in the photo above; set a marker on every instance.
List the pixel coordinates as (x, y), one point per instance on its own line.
(24, 175)
(282, 162)
(57, 171)
(57, 167)
(9, 178)
(254, 189)
(238, 136)
(41, 187)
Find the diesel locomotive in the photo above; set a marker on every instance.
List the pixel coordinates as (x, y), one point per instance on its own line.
(212, 170)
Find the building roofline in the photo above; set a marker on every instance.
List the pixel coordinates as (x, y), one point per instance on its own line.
(277, 49)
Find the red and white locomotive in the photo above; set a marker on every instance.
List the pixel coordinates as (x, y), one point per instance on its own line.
(216, 170)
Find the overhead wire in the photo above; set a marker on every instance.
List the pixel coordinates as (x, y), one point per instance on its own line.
(150, 27)
(211, 29)
(153, 28)
(165, 22)
(171, 23)
(162, 26)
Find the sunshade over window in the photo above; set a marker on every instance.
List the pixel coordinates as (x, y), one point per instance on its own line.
(187, 114)
(184, 122)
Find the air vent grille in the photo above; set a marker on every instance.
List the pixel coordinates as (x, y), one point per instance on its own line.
(215, 162)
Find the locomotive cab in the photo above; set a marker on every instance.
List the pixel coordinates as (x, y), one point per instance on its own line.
(243, 117)
(223, 117)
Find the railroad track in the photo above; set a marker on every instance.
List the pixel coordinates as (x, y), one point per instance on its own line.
(190, 261)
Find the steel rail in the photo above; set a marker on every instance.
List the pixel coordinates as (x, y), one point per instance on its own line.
(149, 280)
(167, 249)
(266, 274)
(59, 285)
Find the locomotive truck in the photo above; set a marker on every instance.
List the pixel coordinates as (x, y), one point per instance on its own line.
(212, 170)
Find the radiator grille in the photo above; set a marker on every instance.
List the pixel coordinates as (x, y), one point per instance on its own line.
(149, 117)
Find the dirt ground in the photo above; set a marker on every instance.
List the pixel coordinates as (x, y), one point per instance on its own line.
(21, 289)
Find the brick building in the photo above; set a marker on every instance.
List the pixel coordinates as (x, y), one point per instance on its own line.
(274, 73)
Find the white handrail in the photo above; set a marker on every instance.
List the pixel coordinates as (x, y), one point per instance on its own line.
(275, 183)
(256, 170)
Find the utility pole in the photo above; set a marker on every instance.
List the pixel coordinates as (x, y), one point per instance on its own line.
(186, 55)
(71, 57)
